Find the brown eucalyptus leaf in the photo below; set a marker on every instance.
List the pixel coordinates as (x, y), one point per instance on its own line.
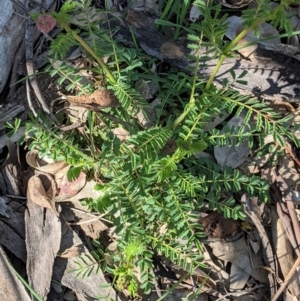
(86, 192)
(216, 226)
(33, 160)
(69, 189)
(62, 172)
(100, 99)
(284, 251)
(37, 194)
(235, 154)
(121, 133)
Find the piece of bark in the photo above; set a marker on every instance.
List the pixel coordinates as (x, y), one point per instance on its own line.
(16, 217)
(249, 208)
(284, 252)
(11, 288)
(12, 30)
(88, 288)
(270, 75)
(43, 238)
(12, 241)
(286, 192)
(10, 169)
(9, 112)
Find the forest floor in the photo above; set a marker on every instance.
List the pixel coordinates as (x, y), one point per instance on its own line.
(45, 227)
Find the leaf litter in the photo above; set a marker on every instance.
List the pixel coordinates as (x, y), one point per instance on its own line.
(239, 257)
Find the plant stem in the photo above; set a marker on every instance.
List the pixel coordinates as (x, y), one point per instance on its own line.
(183, 115)
(91, 52)
(233, 43)
(226, 51)
(192, 96)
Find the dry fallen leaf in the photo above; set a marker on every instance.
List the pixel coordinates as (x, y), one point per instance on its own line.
(284, 251)
(72, 252)
(86, 192)
(70, 189)
(235, 154)
(243, 257)
(100, 99)
(37, 194)
(33, 160)
(121, 133)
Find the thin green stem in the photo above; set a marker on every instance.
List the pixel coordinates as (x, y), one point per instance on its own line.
(229, 47)
(91, 52)
(183, 115)
(234, 42)
(191, 103)
(166, 10)
(215, 71)
(91, 120)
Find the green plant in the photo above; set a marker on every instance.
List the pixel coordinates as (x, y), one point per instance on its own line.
(152, 193)
(13, 128)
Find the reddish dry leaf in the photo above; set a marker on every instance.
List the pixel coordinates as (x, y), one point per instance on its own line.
(37, 194)
(70, 189)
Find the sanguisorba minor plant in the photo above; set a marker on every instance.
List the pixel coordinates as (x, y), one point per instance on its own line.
(151, 193)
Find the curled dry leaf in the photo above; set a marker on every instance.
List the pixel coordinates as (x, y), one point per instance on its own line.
(100, 99)
(87, 191)
(62, 172)
(33, 160)
(37, 194)
(69, 189)
(216, 226)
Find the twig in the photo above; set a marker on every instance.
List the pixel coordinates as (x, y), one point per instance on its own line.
(286, 223)
(21, 205)
(84, 222)
(72, 126)
(98, 217)
(31, 72)
(239, 294)
(16, 196)
(287, 194)
(29, 98)
(287, 280)
(291, 153)
(30, 68)
(268, 253)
